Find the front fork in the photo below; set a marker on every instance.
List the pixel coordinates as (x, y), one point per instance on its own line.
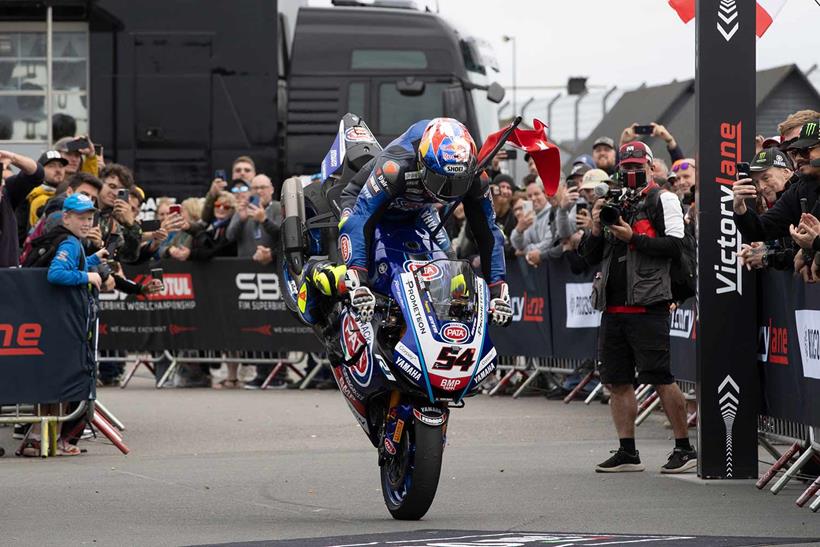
(400, 415)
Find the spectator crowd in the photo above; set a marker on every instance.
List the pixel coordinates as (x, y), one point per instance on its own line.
(71, 191)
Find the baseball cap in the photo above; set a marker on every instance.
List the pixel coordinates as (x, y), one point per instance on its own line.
(770, 157)
(585, 159)
(52, 155)
(605, 141)
(593, 178)
(636, 152)
(578, 170)
(771, 141)
(809, 135)
(78, 203)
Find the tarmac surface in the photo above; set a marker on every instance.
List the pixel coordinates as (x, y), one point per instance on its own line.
(214, 467)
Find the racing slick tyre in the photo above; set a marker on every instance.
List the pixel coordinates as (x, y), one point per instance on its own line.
(410, 477)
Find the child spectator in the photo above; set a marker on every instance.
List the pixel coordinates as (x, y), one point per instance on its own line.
(70, 266)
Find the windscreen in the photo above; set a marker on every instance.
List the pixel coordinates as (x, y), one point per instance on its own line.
(450, 285)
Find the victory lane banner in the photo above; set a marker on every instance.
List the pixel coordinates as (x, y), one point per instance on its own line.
(222, 305)
(45, 354)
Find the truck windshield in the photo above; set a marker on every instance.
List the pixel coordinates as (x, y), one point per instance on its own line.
(481, 64)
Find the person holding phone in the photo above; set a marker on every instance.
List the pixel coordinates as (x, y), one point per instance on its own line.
(257, 219)
(13, 192)
(795, 213)
(116, 213)
(81, 155)
(653, 130)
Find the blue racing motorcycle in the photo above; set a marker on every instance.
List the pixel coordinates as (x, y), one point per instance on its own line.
(427, 347)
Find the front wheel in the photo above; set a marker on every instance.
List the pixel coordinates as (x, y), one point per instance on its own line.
(410, 478)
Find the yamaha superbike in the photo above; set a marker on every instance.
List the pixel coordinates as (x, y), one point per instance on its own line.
(427, 347)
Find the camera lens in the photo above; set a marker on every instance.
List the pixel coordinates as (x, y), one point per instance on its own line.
(610, 215)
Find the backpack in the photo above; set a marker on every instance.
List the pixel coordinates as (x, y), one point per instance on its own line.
(684, 270)
(44, 248)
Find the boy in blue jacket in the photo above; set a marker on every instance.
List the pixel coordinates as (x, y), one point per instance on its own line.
(70, 265)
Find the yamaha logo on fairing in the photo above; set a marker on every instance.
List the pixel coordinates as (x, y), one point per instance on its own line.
(408, 369)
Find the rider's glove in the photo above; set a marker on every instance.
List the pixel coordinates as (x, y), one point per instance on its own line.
(361, 297)
(500, 309)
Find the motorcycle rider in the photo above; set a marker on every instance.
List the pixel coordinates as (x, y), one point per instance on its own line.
(431, 163)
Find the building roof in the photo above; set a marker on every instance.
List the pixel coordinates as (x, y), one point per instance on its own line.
(780, 91)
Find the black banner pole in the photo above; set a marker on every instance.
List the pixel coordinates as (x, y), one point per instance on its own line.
(728, 390)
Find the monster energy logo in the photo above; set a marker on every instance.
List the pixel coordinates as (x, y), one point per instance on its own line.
(811, 127)
(761, 156)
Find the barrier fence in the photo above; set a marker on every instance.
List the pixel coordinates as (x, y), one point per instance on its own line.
(237, 305)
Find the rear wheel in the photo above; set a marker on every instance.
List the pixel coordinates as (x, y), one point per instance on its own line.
(410, 477)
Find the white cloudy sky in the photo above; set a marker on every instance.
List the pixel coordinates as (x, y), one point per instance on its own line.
(614, 42)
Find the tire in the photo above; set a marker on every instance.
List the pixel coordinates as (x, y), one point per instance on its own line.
(410, 478)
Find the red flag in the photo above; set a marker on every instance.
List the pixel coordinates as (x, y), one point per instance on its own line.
(685, 9)
(534, 141)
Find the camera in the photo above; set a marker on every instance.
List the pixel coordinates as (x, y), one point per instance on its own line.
(104, 270)
(620, 204)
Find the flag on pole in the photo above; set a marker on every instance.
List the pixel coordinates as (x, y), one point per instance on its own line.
(766, 11)
(533, 141)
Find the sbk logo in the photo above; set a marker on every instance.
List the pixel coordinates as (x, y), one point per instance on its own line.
(20, 341)
(258, 286)
(773, 344)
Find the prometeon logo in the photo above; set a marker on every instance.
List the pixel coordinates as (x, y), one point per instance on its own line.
(773, 344)
(728, 272)
(20, 341)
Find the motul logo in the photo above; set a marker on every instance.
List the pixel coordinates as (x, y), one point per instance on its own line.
(20, 341)
(175, 287)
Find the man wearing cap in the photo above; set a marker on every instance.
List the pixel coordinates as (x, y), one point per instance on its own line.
(501, 188)
(13, 192)
(786, 216)
(594, 185)
(54, 168)
(603, 154)
(633, 290)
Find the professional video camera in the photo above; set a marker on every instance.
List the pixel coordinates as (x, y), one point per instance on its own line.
(621, 202)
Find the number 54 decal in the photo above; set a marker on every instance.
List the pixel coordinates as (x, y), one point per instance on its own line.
(450, 357)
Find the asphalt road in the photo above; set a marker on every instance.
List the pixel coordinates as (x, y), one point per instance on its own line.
(210, 466)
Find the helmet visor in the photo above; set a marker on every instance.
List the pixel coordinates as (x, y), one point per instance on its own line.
(447, 187)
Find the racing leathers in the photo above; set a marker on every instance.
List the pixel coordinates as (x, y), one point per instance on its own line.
(394, 192)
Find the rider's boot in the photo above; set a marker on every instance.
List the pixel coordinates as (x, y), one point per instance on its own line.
(322, 280)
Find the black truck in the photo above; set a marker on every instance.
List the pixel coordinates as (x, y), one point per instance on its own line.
(179, 88)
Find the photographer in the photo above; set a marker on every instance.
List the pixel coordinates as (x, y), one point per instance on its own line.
(636, 240)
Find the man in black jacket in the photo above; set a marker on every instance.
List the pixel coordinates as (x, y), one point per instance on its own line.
(634, 290)
(786, 217)
(13, 192)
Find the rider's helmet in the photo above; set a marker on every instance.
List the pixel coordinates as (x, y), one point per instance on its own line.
(447, 154)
